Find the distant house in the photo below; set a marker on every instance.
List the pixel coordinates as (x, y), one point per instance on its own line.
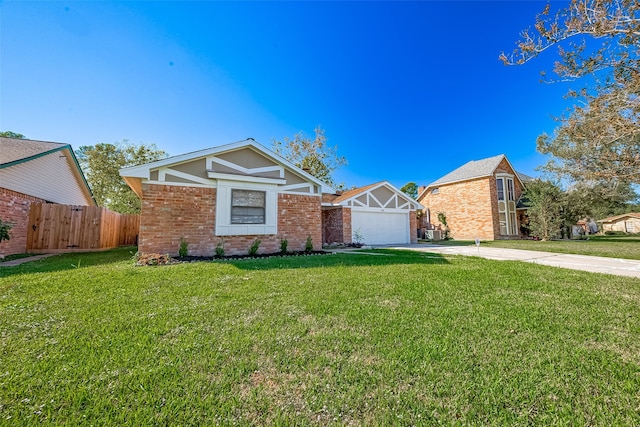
(376, 214)
(627, 223)
(36, 171)
(480, 199)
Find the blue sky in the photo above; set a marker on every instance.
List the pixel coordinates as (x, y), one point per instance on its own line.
(408, 91)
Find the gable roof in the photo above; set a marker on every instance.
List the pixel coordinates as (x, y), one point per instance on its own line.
(473, 170)
(46, 170)
(355, 192)
(619, 217)
(131, 173)
(22, 150)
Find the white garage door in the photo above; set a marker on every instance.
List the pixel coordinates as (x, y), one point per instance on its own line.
(380, 228)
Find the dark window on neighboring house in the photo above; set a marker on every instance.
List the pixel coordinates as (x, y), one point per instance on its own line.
(435, 191)
(247, 207)
(500, 186)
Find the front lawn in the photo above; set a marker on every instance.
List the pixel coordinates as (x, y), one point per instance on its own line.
(627, 247)
(388, 338)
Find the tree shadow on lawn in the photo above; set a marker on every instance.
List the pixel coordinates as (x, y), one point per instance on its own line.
(373, 257)
(70, 261)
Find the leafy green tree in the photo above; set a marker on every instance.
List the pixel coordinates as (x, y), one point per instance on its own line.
(546, 202)
(101, 164)
(597, 201)
(599, 139)
(5, 228)
(410, 189)
(312, 155)
(11, 134)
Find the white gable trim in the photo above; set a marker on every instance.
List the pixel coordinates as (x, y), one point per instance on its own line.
(397, 198)
(246, 171)
(163, 172)
(245, 178)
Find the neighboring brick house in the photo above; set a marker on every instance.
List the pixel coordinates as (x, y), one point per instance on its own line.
(375, 214)
(36, 171)
(479, 199)
(626, 223)
(228, 195)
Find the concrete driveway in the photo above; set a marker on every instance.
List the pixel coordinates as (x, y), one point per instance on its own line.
(617, 266)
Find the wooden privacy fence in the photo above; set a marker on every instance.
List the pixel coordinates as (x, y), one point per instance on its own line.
(63, 228)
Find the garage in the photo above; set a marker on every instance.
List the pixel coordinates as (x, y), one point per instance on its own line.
(377, 214)
(381, 228)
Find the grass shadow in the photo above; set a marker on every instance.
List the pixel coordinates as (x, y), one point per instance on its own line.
(377, 257)
(356, 258)
(70, 261)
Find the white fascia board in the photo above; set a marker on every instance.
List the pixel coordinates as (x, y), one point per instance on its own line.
(242, 178)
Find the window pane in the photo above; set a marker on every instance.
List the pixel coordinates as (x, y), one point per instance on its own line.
(513, 223)
(247, 207)
(503, 223)
(247, 198)
(500, 186)
(247, 215)
(510, 189)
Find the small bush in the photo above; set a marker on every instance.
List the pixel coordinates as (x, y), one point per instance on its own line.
(308, 247)
(253, 249)
(614, 233)
(5, 227)
(283, 245)
(220, 248)
(183, 251)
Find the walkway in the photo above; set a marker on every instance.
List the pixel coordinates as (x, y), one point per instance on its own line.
(19, 261)
(594, 264)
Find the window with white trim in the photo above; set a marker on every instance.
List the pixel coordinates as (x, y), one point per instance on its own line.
(248, 207)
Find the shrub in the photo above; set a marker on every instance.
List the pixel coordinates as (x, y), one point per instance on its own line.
(308, 247)
(442, 217)
(283, 245)
(183, 251)
(5, 227)
(220, 248)
(253, 249)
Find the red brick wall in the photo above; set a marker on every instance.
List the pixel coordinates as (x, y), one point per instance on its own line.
(172, 212)
(336, 225)
(14, 208)
(298, 217)
(413, 226)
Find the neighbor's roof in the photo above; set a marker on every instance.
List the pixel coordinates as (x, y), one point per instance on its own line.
(471, 170)
(46, 170)
(13, 150)
(618, 217)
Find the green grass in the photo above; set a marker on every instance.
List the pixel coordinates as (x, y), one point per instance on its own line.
(627, 247)
(388, 338)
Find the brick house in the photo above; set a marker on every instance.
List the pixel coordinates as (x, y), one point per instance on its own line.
(36, 171)
(375, 214)
(233, 194)
(228, 195)
(480, 199)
